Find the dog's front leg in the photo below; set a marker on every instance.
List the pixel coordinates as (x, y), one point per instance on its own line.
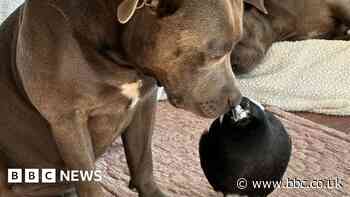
(137, 140)
(76, 149)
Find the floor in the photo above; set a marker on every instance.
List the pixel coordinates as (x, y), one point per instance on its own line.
(341, 123)
(319, 153)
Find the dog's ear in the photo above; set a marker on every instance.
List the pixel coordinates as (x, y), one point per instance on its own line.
(167, 7)
(126, 10)
(259, 4)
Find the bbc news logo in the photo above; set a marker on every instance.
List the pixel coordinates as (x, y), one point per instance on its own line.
(52, 176)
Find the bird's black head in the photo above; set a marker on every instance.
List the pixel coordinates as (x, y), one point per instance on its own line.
(247, 116)
(246, 142)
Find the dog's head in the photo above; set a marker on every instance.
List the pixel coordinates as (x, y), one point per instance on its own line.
(186, 46)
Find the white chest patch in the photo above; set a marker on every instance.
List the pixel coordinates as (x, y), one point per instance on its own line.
(132, 92)
(348, 32)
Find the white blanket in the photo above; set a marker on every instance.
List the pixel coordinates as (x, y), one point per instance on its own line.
(312, 76)
(7, 7)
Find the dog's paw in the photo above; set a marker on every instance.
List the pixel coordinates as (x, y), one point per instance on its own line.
(7, 193)
(149, 189)
(155, 193)
(70, 194)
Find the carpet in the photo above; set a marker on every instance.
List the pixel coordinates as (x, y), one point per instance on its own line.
(319, 153)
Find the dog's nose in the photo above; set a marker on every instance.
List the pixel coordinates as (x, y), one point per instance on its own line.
(234, 99)
(232, 94)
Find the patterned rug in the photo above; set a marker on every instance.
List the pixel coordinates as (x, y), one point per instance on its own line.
(320, 154)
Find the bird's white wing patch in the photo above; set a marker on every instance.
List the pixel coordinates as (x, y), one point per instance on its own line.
(132, 92)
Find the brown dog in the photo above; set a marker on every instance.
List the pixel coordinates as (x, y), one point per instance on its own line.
(72, 79)
(288, 20)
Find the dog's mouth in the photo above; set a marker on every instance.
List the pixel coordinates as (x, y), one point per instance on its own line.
(215, 108)
(209, 109)
(177, 102)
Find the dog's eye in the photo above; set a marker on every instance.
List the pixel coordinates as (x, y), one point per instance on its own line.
(218, 49)
(216, 56)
